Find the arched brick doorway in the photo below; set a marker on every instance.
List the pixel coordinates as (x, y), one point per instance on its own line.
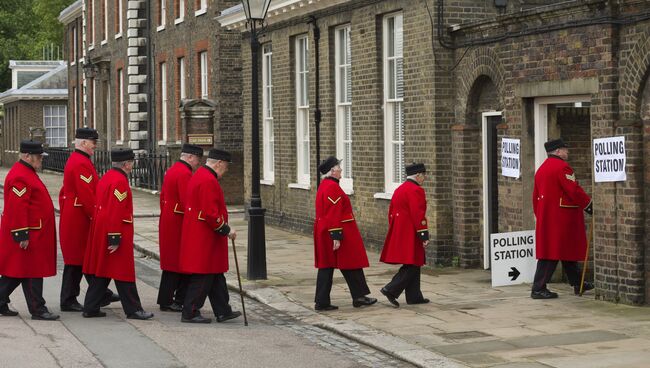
(468, 171)
(644, 113)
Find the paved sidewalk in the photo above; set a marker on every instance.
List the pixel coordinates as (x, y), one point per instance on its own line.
(468, 323)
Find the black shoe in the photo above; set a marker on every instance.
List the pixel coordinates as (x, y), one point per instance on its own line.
(197, 319)
(141, 315)
(421, 301)
(5, 311)
(114, 298)
(45, 316)
(174, 307)
(585, 287)
(94, 314)
(328, 307)
(543, 294)
(390, 298)
(109, 299)
(225, 317)
(74, 307)
(364, 300)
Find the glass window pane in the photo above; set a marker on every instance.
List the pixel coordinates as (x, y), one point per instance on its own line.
(390, 35)
(391, 79)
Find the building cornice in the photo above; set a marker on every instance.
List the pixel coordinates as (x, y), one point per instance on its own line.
(70, 13)
(33, 94)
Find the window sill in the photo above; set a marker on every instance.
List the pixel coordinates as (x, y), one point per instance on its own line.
(91, 47)
(160, 28)
(178, 20)
(387, 196)
(119, 142)
(179, 142)
(81, 61)
(73, 63)
(267, 182)
(299, 186)
(200, 12)
(162, 143)
(118, 36)
(104, 42)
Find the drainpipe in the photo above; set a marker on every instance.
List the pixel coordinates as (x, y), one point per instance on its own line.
(151, 128)
(317, 112)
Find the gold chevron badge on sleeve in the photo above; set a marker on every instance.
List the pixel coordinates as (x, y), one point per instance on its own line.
(120, 196)
(19, 193)
(334, 201)
(86, 179)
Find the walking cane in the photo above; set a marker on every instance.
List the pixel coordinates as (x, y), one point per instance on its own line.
(241, 292)
(584, 266)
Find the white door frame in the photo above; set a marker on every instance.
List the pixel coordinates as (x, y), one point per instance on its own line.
(541, 121)
(486, 216)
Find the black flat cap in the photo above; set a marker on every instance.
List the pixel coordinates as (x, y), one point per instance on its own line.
(218, 154)
(32, 147)
(328, 164)
(551, 146)
(192, 149)
(415, 168)
(86, 133)
(121, 154)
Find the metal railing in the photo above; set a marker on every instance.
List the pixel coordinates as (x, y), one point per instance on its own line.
(148, 169)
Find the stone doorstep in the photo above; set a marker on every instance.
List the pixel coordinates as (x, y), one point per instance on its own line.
(388, 344)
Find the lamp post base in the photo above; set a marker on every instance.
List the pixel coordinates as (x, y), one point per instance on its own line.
(256, 244)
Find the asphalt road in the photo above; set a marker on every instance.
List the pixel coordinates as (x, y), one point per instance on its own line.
(272, 339)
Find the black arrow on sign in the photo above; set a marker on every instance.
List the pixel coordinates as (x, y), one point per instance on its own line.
(514, 273)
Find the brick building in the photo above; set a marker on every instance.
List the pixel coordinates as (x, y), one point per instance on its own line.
(35, 106)
(133, 61)
(444, 83)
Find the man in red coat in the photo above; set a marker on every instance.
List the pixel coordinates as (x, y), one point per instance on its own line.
(204, 242)
(558, 202)
(27, 234)
(173, 283)
(77, 204)
(337, 241)
(109, 254)
(407, 236)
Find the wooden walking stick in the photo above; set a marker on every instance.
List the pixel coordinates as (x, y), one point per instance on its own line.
(584, 266)
(241, 291)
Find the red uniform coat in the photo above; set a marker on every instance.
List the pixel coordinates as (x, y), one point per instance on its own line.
(334, 216)
(407, 226)
(558, 202)
(172, 208)
(113, 217)
(77, 204)
(204, 242)
(28, 214)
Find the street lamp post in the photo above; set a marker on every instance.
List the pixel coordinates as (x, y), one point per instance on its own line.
(255, 13)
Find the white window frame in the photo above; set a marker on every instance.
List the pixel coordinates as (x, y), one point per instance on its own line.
(93, 27)
(343, 87)
(120, 81)
(58, 112)
(181, 12)
(203, 63)
(393, 101)
(75, 116)
(105, 35)
(163, 102)
(268, 138)
(94, 97)
(120, 19)
(302, 109)
(181, 77)
(203, 9)
(163, 13)
(75, 46)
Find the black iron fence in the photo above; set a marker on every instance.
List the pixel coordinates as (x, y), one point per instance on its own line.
(148, 169)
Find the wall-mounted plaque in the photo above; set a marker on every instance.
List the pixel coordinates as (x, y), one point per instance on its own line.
(200, 139)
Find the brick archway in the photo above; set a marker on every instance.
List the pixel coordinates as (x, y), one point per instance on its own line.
(644, 114)
(634, 73)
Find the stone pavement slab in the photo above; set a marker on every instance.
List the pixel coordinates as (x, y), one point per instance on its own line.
(467, 323)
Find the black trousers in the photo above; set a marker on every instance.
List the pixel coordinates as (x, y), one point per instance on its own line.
(32, 288)
(545, 269)
(406, 279)
(70, 283)
(97, 292)
(173, 288)
(355, 279)
(202, 286)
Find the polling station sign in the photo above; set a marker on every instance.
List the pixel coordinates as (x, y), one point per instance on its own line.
(609, 159)
(510, 157)
(513, 258)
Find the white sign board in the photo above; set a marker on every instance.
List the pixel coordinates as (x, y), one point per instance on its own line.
(510, 162)
(513, 258)
(609, 159)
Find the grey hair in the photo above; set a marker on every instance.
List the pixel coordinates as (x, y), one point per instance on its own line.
(23, 155)
(329, 173)
(185, 155)
(119, 164)
(211, 161)
(412, 177)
